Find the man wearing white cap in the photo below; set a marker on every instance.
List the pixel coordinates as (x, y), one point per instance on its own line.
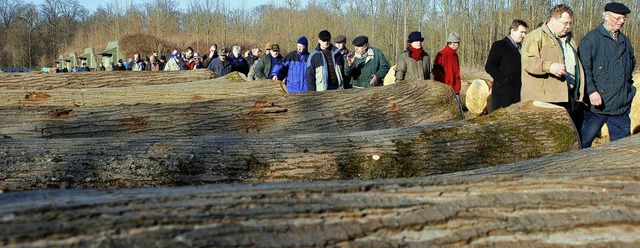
(446, 67)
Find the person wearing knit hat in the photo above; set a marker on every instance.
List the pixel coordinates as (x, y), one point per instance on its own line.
(608, 59)
(413, 62)
(341, 43)
(446, 66)
(326, 65)
(293, 69)
(368, 66)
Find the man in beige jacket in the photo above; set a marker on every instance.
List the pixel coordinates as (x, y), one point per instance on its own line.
(551, 69)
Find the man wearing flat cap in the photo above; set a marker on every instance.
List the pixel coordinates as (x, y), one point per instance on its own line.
(446, 66)
(413, 62)
(367, 67)
(608, 59)
(341, 43)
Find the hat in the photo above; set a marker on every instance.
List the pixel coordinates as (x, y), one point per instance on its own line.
(617, 8)
(267, 46)
(224, 50)
(340, 39)
(324, 35)
(196, 55)
(453, 37)
(119, 60)
(303, 41)
(162, 57)
(360, 40)
(275, 47)
(415, 36)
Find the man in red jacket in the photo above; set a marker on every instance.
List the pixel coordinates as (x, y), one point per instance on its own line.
(446, 67)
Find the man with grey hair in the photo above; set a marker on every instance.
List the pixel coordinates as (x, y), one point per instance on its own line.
(608, 59)
(238, 63)
(446, 66)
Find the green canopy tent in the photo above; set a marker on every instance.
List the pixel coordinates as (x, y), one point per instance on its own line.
(72, 61)
(110, 54)
(89, 57)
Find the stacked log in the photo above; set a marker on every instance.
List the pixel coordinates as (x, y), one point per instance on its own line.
(582, 198)
(41, 81)
(219, 107)
(524, 131)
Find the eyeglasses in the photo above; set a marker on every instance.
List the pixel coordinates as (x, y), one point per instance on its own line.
(619, 18)
(566, 24)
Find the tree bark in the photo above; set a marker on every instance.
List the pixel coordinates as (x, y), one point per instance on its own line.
(583, 198)
(229, 86)
(84, 80)
(243, 109)
(517, 133)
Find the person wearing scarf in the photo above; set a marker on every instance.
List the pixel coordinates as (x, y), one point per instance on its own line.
(413, 62)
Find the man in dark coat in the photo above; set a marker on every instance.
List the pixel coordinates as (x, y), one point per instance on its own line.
(608, 59)
(504, 64)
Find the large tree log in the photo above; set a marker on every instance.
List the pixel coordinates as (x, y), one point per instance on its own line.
(572, 203)
(242, 109)
(231, 85)
(521, 132)
(42, 81)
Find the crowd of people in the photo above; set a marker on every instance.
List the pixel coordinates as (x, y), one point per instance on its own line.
(591, 81)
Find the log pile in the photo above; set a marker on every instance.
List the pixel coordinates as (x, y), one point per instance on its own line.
(312, 144)
(582, 198)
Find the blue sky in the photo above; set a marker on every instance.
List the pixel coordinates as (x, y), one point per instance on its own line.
(183, 4)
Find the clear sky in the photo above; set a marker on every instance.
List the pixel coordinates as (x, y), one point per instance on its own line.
(182, 4)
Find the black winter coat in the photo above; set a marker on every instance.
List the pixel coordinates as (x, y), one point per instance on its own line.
(505, 66)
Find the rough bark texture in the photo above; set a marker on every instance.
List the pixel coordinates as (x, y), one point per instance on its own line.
(517, 133)
(231, 85)
(587, 198)
(43, 81)
(244, 109)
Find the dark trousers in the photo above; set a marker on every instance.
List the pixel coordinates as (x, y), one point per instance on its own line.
(619, 127)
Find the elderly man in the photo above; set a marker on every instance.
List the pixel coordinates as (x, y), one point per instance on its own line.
(239, 63)
(264, 67)
(551, 70)
(446, 66)
(368, 66)
(608, 59)
(221, 65)
(325, 65)
(504, 64)
(213, 54)
(293, 68)
(413, 62)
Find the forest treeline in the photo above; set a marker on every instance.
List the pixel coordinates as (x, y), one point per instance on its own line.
(34, 36)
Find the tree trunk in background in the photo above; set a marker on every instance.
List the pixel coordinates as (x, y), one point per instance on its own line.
(244, 109)
(520, 132)
(582, 198)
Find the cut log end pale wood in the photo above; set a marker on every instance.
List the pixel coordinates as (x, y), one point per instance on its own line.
(477, 97)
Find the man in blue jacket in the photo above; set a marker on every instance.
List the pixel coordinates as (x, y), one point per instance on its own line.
(608, 60)
(293, 68)
(325, 67)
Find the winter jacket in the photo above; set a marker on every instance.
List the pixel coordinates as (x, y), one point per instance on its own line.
(220, 68)
(239, 64)
(540, 49)
(365, 66)
(608, 65)
(505, 67)
(446, 68)
(293, 68)
(409, 68)
(317, 69)
(264, 66)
